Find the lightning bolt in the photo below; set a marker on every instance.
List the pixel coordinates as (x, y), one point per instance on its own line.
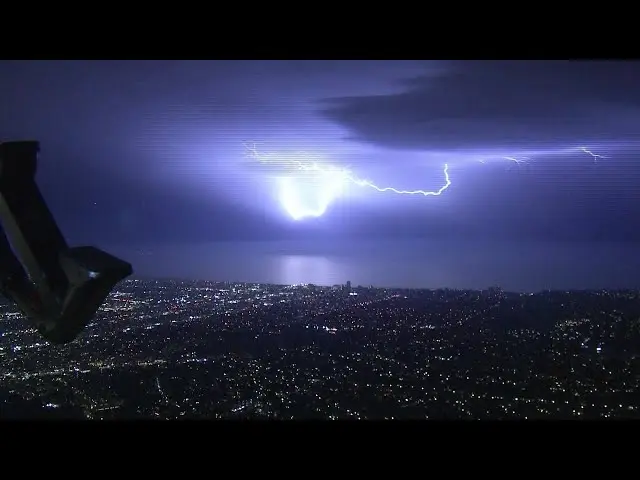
(332, 178)
(595, 156)
(525, 160)
(311, 165)
(517, 161)
(426, 193)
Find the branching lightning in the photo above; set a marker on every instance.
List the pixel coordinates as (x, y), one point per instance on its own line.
(331, 178)
(520, 161)
(329, 181)
(309, 165)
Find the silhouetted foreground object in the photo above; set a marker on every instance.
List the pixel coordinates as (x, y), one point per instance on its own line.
(57, 287)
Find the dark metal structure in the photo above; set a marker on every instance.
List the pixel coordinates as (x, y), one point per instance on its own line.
(57, 287)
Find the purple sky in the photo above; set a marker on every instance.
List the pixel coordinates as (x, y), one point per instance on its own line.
(151, 155)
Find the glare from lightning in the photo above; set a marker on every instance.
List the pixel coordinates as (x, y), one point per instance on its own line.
(324, 192)
(327, 183)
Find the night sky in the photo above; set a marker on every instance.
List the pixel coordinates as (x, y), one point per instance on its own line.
(191, 168)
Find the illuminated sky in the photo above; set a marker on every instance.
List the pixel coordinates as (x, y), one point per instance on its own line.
(155, 153)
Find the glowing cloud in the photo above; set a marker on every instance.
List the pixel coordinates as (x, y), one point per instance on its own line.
(310, 197)
(321, 184)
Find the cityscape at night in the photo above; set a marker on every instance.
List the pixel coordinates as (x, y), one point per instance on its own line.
(170, 350)
(319, 239)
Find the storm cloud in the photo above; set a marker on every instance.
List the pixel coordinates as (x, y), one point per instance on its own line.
(500, 104)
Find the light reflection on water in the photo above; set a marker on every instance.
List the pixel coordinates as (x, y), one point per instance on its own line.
(320, 270)
(512, 266)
